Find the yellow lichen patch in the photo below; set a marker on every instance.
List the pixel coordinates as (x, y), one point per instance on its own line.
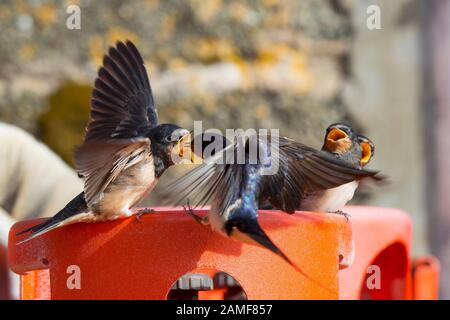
(46, 15)
(167, 27)
(152, 4)
(27, 51)
(212, 50)
(163, 54)
(238, 11)
(151, 67)
(262, 111)
(270, 54)
(120, 34)
(246, 71)
(206, 10)
(282, 66)
(96, 49)
(271, 3)
(177, 63)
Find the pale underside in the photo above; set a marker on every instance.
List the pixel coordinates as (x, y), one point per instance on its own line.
(330, 200)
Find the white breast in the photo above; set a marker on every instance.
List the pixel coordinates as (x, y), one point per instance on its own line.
(330, 200)
(218, 219)
(128, 189)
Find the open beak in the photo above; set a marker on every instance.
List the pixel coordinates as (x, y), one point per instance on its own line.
(366, 153)
(337, 141)
(184, 150)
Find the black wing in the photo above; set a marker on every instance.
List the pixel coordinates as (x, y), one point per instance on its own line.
(122, 104)
(301, 169)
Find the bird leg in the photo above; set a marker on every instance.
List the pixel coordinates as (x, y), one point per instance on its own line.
(204, 221)
(138, 213)
(341, 213)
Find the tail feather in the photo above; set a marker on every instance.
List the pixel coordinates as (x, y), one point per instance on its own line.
(76, 206)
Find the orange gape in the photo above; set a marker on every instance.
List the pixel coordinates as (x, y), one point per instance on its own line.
(337, 141)
(366, 152)
(125, 259)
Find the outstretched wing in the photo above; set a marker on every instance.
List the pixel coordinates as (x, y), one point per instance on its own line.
(122, 104)
(303, 170)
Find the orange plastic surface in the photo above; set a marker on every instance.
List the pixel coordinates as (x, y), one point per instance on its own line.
(382, 239)
(426, 278)
(4, 279)
(127, 259)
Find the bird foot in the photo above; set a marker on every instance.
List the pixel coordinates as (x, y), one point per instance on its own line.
(342, 213)
(204, 221)
(138, 213)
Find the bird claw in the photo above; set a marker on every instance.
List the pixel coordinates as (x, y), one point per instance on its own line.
(138, 213)
(201, 220)
(342, 213)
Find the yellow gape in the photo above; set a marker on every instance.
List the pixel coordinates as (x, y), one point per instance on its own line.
(337, 141)
(366, 152)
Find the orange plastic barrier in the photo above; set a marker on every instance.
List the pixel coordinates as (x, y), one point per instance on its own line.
(426, 278)
(382, 266)
(381, 269)
(127, 259)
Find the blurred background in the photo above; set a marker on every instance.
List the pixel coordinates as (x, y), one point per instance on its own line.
(293, 65)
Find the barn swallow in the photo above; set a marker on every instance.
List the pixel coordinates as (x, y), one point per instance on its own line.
(125, 151)
(235, 189)
(342, 142)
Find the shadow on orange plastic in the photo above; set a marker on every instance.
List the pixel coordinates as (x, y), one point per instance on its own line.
(386, 275)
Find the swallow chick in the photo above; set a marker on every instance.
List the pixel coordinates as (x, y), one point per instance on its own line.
(125, 151)
(284, 169)
(342, 142)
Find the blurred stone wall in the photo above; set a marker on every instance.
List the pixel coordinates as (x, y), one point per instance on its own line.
(278, 64)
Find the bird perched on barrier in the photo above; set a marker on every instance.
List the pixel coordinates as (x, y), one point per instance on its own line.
(125, 150)
(283, 172)
(342, 142)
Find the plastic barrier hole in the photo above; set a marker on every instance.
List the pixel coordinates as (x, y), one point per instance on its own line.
(206, 285)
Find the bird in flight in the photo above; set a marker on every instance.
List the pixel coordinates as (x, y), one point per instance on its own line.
(236, 189)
